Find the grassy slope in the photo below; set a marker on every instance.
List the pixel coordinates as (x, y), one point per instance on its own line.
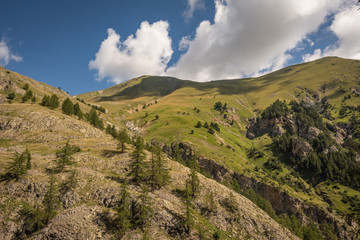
(176, 101)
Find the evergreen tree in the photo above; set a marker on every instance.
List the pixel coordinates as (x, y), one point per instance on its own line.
(28, 159)
(137, 164)
(193, 182)
(68, 107)
(123, 211)
(94, 119)
(27, 96)
(198, 125)
(123, 138)
(45, 101)
(17, 168)
(77, 111)
(211, 131)
(188, 219)
(51, 201)
(159, 173)
(206, 125)
(11, 96)
(54, 102)
(63, 157)
(26, 86)
(142, 210)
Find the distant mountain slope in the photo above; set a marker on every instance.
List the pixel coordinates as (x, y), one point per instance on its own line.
(168, 110)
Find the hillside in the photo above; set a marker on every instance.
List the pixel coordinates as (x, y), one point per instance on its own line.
(329, 85)
(87, 193)
(243, 144)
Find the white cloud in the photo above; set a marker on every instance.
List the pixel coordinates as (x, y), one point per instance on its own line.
(148, 52)
(346, 27)
(5, 55)
(192, 5)
(311, 57)
(248, 37)
(184, 43)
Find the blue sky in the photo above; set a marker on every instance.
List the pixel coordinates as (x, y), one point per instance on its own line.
(84, 46)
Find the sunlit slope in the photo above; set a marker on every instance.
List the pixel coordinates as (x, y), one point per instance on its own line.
(166, 108)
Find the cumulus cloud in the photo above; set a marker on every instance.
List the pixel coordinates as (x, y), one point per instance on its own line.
(346, 27)
(148, 52)
(192, 5)
(249, 37)
(5, 54)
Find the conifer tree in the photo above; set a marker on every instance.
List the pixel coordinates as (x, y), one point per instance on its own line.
(77, 111)
(124, 213)
(54, 102)
(188, 219)
(28, 159)
(45, 101)
(17, 168)
(51, 201)
(67, 107)
(123, 138)
(137, 164)
(94, 119)
(193, 182)
(142, 210)
(198, 125)
(63, 157)
(159, 173)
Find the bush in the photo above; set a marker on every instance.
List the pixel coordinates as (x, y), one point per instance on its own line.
(11, 96)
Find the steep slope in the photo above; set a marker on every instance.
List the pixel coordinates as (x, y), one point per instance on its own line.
(88, 191)
(170, 114)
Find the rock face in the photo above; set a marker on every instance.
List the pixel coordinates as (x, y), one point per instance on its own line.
(275, 127)
(300, 147)
(310, 133)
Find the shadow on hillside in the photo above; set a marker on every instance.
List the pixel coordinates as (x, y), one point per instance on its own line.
(162, 86)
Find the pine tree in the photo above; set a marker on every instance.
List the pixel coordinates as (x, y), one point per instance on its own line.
(94, 119)
(68, 107)
(123, 138)
(198, 125)
(17, 168)
(54, 102)
(51, 201)
(28, 159)
(137, 164)
(188, 218)
(142, 210)
(159, 173)
(77, 111)
(211, 131)
(45, 101)
(26, 86)
(193, 182)
(124, 213)
(63, 157)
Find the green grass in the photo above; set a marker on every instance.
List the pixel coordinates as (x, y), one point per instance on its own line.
(243, 96)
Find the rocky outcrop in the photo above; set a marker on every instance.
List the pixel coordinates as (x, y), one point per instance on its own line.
(300, 147)
(310, 133)
(258, 126)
